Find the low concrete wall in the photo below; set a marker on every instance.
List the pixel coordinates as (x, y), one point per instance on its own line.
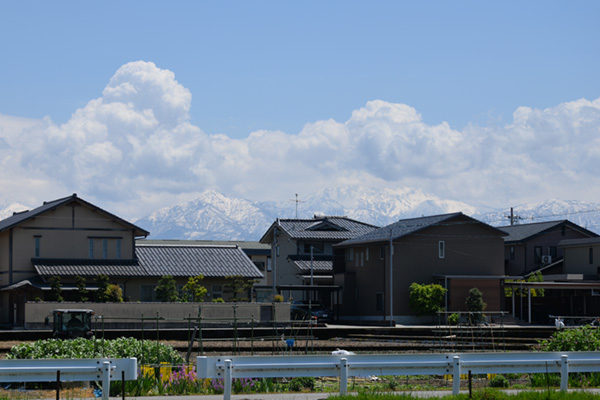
(171, 315)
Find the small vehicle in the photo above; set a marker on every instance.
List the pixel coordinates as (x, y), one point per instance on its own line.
(300, 311)
(71, 323)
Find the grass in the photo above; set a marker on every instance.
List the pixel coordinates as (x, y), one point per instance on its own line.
(488, 394)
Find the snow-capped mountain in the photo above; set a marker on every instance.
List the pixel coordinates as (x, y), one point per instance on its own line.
(584, 214)
(214, 216)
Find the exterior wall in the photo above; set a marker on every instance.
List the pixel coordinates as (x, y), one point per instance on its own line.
(470, 249)
(63, 233)
(125, 315)
(524, 253)
(577, 260)
(459, 290)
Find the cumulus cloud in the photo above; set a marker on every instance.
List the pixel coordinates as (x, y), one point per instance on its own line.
(133, 149)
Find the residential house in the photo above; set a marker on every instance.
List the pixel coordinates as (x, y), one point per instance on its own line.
(529, 247)
(70, 237)
(454, 250)
(302, 254)
(259, 254)
(69, 233)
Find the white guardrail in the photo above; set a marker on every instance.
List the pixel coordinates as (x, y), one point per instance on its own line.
(345, 366)
(70, 370)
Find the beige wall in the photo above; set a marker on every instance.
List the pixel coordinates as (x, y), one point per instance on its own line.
(174, 314)
(577, 260)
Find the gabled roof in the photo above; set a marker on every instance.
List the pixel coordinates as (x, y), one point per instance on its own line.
(88, 267)
(524, 232)
(249, 247)
(18, 218)
(410, 226)
(210, 261)
(318, 266)
(328, 228)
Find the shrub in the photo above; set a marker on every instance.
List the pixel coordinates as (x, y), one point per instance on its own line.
(585, 338)
(499, 381)
(453, 319)
(426, 299)
(149, 353)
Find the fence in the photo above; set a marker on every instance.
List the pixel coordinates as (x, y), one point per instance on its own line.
(455, 364)
(67, 370)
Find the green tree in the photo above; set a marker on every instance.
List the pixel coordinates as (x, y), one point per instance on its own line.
(536, 277)
(239, 286)
(166, 290)
(426, 299)
(114, 293)
(102, 292)
(55, 289)
(475, 305)
(82, 293)
(194, 287)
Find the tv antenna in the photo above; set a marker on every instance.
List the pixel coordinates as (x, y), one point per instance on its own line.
(297, 201)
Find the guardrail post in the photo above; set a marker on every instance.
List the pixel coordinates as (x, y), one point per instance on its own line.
(105, 380)
(343, 376)
(227, 381)
(455, 375)
(564, 373)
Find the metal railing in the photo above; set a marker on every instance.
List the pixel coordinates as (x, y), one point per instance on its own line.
(70, 370)
(455, 364)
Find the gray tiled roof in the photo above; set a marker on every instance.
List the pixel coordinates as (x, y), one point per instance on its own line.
(401, 228)
(17, 218)
(210, 261)
(88, 267)
(318, 266)
(520, 232)
(325, 228)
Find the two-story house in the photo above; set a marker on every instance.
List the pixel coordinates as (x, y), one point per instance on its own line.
(302, 254)
(64, 233)
(454, 250)
(71, 238)
(529, 247)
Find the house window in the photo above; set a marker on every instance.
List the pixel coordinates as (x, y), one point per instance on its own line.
(553, 252)
(441, 249)
(382, 253)
(317, 248)
(537, 254)
(90, 248)
(379, 301)
(591, 255)
(37, 245)
(350, 255)
(367, 256)
(147, 293)
(512, 252)
(216, 291)
(260, 265)
(104, 248)
(362, 259)
(269, 266)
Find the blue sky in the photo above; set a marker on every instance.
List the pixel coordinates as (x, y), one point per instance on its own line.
(278, 65)
(299, 72)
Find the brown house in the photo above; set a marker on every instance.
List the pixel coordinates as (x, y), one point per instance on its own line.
(529, 247)
(452, 249)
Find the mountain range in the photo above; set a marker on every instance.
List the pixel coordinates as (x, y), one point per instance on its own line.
(214, 216)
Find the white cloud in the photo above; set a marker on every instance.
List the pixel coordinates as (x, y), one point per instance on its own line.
(134, 150)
